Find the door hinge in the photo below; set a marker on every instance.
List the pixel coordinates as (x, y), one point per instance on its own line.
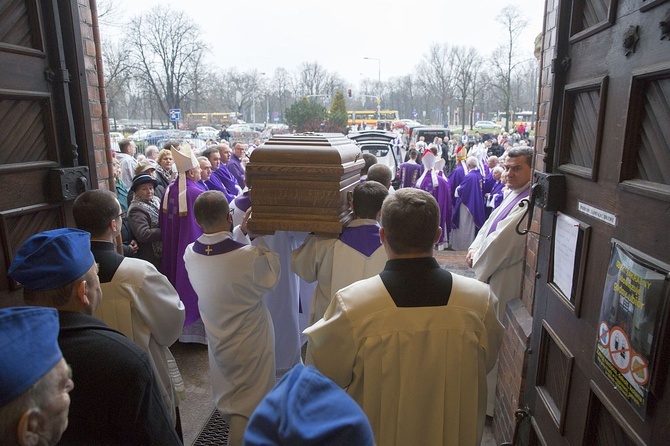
(520, 414)
(59, 75)
(563, 64)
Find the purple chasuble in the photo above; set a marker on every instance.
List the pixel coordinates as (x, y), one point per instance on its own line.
(227, 179)
(214, 183)
(234, 166)
(409, 173)
(364, 239)
(223, 247)
(495, 197)
(177, 233)
(470, 194)
(442, 194)
(243, 201)
(455, 178)
(504, 212)
(489, 182)
(203, 185)
(498, 198)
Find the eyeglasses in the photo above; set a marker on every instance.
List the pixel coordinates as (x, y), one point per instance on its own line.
(231, 212)
(122, 215)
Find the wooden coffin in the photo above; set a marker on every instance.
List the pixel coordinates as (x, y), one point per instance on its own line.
(300, 183)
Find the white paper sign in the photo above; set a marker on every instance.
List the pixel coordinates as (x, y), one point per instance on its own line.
(565, 247)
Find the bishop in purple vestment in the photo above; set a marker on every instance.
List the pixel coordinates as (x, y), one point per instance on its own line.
(179, 228)
(435, 184)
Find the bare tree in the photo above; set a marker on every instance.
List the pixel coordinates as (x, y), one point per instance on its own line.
(524, 85)
(109, 13)
(281, 84)
(506, 58)
(239, 91)
(467, 64)
(166, 53)
(435, 75)
(312, 78)
(116, 65)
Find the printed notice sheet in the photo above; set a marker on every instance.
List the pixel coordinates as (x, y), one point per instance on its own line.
(565, 247)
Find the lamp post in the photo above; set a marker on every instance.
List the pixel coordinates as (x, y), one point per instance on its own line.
(267, 103)
(379, 83)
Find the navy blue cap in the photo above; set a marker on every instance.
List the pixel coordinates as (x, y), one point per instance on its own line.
(306, 408)
(52, 259)
(28, 348)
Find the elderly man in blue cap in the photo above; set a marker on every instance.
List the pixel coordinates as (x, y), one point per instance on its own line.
(35, 381)
(117, 399)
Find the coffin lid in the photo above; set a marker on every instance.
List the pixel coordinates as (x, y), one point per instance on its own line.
(307, 148)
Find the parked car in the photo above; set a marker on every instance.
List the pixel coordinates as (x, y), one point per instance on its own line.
(429, 134)
(486, 125)
(239, 128)
(380, 144)
(207, 132)
(141, 134)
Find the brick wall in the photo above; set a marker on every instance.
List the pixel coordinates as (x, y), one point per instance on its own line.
(518, 322)
(97, 108)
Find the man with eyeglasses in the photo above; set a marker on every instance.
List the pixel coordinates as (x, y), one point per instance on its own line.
(235, 164)
(139, 301)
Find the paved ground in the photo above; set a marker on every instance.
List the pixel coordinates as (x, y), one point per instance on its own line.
(192, 360)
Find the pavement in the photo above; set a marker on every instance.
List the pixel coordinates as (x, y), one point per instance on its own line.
(202, 427)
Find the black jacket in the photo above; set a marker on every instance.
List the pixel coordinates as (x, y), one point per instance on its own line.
(116, 399)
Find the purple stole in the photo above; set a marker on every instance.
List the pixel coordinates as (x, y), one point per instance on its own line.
(223, 247)
(507, 209)
(364, 239)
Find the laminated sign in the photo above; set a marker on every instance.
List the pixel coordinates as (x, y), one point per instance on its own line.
(633, 308)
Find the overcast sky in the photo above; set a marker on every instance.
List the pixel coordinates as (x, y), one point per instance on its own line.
(266, 34)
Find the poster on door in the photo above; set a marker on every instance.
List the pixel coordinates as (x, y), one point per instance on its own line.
(631, 313)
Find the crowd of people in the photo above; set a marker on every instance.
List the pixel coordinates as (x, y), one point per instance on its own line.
(398, 350)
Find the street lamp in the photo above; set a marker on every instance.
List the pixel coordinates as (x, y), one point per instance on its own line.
(267, 104)
(379, 85)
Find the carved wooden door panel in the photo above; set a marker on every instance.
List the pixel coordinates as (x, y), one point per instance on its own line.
(39, 151)
(598, 367)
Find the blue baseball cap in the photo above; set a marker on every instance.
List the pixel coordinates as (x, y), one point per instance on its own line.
(28, 348)
(52, 259)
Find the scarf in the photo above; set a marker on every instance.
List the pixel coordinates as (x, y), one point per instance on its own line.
(152, 208)
(167, 176)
